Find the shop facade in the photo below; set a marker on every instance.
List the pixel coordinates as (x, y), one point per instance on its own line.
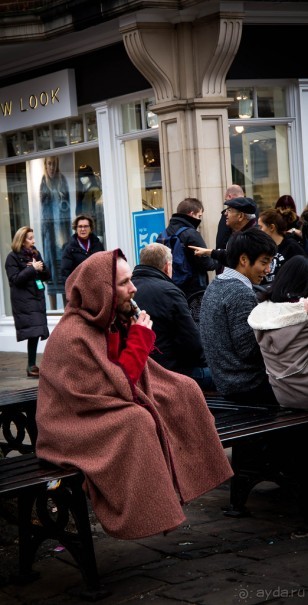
(188, 117)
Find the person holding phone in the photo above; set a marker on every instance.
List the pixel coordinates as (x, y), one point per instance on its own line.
(26, 273)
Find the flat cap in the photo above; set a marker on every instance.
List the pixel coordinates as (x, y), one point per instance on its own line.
(243, 204)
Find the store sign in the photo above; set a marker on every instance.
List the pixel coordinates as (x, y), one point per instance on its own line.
(147, 225)
(44, 99)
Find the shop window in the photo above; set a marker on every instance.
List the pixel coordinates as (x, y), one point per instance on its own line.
(138, 115)
(51, 136)
(46, 193)
(256, 102)
(76, 131)
(143, 174)
(12, 144)
(259, 151)
(43, 138)
(27, 141)
(91, 126)
(59, 132)
(260, 161)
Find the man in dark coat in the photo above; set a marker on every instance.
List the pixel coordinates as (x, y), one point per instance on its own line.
(189, 214)
(240, 216)
(178, 341)
(82, 244)
(223, 231)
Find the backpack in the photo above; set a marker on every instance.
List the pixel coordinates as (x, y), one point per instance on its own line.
(181, 268)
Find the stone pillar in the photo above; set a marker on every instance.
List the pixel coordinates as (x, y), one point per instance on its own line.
(186, 64)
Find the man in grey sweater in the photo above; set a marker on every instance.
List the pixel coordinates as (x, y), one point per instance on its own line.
(231, 350)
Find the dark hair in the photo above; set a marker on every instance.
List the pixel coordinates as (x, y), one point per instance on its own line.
(81, 217)
(291, 281)
(286, 201)
(252, 242)
(280, 218)
(190, 204)
(304, 223)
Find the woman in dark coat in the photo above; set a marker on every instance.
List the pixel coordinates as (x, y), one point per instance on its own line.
(82, 244)
(26, 273)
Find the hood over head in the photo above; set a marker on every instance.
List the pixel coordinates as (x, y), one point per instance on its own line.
(91, 288)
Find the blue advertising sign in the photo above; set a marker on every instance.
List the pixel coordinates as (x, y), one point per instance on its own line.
(147, 225)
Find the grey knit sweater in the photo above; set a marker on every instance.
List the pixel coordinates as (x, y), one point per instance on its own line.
(231, 350)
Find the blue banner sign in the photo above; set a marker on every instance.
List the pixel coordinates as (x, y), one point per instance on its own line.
(147, 225)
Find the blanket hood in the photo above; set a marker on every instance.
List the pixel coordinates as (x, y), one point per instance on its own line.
(91, 288)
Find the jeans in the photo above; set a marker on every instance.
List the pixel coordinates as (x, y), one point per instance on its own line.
(203, 377)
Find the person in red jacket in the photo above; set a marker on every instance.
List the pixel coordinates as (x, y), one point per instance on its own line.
(142, 435)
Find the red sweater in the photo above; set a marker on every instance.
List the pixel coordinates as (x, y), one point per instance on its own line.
(133, 354)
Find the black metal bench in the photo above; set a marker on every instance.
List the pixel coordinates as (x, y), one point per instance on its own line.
(257, 437)
(46, 510)
(267, 445)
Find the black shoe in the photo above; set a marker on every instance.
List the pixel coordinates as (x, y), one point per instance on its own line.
(33, 372)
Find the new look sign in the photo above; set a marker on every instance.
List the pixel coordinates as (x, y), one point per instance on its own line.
(44, 99)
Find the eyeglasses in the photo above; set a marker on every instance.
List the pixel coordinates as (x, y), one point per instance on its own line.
(231, 210)
(83, 227)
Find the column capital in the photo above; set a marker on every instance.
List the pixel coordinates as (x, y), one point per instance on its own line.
(184, 60)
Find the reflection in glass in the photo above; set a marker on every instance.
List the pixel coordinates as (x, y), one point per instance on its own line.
(131, 117)
(267, 101)
(59, 134)
(151, 117)
(43, 139)
(76, 131)
(260, 162)
(271, 102)
(91, 126)
(143, 174)
(12, 144)
(27, 141)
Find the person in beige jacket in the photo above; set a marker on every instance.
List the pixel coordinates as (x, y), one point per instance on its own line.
(280, 325)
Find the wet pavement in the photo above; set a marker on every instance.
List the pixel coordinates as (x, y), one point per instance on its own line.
(210, 560)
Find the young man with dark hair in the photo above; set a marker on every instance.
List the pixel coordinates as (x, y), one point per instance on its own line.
(189, 214)
(231, 350)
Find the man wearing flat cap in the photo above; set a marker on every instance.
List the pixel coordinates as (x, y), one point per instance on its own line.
(240, 216)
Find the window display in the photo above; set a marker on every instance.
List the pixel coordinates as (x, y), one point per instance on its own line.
(46, 193)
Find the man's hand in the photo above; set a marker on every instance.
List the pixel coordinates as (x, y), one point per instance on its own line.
(143, 320)
(201, 251)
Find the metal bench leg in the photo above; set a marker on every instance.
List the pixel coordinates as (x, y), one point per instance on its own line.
(69, 498)
(28, 537)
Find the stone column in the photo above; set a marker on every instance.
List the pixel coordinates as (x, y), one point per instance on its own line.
(186, 64)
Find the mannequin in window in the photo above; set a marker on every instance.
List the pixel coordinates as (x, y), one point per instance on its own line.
(89, 198)
(55, 224)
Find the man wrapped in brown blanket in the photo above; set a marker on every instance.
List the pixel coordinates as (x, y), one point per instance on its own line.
(142, 435)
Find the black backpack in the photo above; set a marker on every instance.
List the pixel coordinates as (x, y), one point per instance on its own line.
(181, 268)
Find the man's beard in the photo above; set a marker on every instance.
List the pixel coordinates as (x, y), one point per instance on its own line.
(125, 314)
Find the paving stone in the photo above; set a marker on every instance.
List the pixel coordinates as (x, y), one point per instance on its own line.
(210, 560)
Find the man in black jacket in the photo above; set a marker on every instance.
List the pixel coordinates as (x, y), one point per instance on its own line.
(178, 342)
(189, 214)
(82, 244)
